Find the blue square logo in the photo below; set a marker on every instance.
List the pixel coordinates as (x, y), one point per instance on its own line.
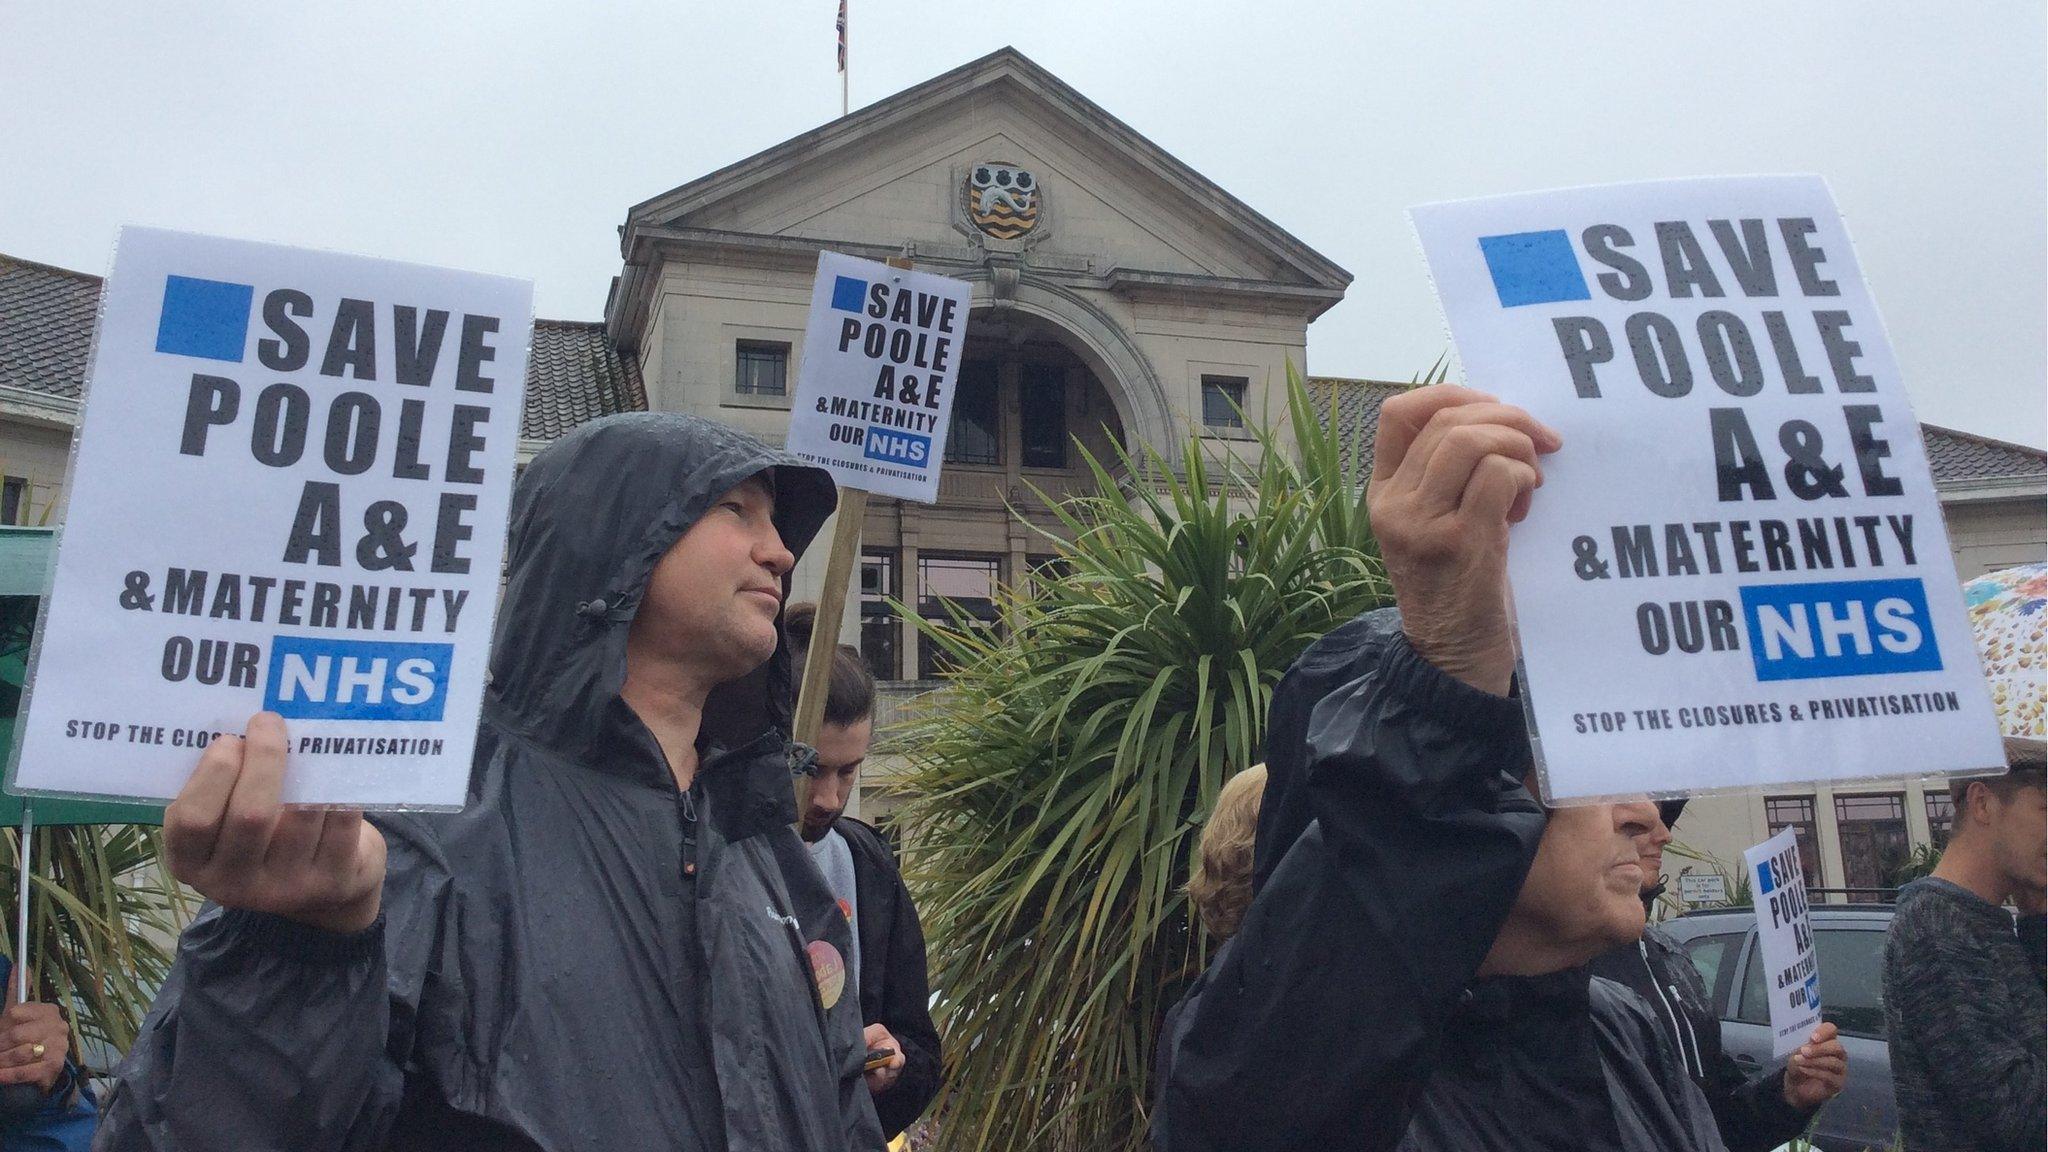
(1533, 268)
(1763, 878)
(849, 294)
(204, 318)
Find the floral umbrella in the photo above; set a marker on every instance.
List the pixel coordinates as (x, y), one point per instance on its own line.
(2008, 610)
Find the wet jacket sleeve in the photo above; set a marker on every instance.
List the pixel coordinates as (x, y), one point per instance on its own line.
(1317, 1025)
(906, 1012)
(272, 1035)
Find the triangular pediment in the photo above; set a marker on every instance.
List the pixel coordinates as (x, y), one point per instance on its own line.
(896, 173)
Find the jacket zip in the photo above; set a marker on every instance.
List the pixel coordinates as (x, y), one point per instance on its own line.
(1678, 1030)
(688, 811)
(1698, 1062)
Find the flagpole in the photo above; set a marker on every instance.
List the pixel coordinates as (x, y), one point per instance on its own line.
(844, 104)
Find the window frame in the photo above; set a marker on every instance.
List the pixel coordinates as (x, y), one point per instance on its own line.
(1939, 828)
(996, 430)
(928, 652)
(875, 611)
(16, 496)
(1809, 842)
(737, 336)
(1028, 380)
(1844, 822)
(1237, 428)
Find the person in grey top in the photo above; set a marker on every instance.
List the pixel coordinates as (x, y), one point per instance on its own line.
(1963, 1000)
(861, 869)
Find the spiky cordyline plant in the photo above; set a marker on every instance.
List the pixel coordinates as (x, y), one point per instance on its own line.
(1056, 783)
(104, 918)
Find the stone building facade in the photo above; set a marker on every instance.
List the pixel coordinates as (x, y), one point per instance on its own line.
(1119, 297)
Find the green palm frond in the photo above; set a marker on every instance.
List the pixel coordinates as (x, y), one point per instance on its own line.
(104, 918)
(1056, 782)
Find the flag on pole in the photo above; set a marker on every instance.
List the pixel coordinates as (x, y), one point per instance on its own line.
(842, 35)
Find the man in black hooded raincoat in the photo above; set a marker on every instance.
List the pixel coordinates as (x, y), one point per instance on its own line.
(587, 956)
(1411, 972)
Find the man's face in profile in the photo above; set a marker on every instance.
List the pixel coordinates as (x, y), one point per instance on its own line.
(1584, 891)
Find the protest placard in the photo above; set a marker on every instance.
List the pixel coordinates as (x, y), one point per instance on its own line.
(874, 393)
(288, 493)
(1736, 573)
(1784, 939)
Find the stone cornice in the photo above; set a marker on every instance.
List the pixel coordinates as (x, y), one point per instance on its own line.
(1994, 489)
(31, 407)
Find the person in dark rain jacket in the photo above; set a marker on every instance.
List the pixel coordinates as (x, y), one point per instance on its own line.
(1755, 1113)
(1411, 972)
(619, 943)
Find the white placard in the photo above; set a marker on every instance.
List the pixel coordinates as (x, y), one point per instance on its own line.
(1736, 573)
(1784, 937)
(288, 492)
(1703, 888)
(874, 394)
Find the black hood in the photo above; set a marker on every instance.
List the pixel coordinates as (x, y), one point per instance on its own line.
(591, 516)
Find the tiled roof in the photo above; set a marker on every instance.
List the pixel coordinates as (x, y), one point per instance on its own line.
(46, 319)
(1961, 456)
(576, 374)
(1356, 405)
(1954, 457)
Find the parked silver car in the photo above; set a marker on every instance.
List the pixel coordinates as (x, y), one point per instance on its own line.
(1849, 945)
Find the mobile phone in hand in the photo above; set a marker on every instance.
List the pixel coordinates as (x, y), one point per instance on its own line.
(878, 1058)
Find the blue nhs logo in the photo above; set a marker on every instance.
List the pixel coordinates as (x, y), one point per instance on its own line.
(319, 679)
(1847, 628)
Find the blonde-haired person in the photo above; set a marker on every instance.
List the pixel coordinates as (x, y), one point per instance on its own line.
(1220, 887)
(1221, 881)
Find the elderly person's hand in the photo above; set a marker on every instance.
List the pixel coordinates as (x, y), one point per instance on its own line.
(1452, 468)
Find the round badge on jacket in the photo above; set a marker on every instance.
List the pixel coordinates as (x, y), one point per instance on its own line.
(828, 970)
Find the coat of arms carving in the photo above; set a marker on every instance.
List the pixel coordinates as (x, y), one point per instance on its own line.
(1002, 200)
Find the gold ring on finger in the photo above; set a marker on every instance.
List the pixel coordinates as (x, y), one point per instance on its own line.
(37, 1050)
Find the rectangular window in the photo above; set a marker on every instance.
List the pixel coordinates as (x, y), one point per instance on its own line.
(1873, 832)
(976, 433)
(1042, 405)
(13, 500)
(1796, 813)
(1941, 818)
(1851, 962)
(881, 633)
(1223, 401)
(968, 582)
(761, 368)
(1754, 1007)
(1713, 957)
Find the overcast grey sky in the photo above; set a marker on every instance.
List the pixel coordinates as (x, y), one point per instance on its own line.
(512, 136)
